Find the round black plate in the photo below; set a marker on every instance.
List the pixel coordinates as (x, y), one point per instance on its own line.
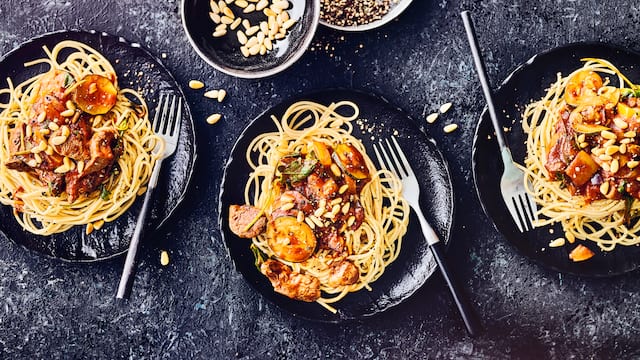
(415, 263)
(136, 68)
(526, 84)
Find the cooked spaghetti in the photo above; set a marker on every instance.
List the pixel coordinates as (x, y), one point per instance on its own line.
(583, 155)
(334, 222)
(74, 148)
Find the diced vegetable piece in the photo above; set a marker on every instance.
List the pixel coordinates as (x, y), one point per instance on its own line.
(581, 168)
(588, 128)
(581, 253)
(291, 240)
(351, 161)
(322, 153)
(95, 94)
(582, 87)
(627, 112)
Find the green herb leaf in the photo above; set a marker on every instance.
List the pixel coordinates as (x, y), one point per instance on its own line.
(68, 80)
(104, 193)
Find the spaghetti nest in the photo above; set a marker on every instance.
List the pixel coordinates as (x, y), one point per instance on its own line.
(373, 242)
(74, 148)
(583, 153)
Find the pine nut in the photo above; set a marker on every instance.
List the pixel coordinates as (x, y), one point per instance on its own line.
(345, 208)
(242, 38)
(623, 148)
(215, 17)
(235, 23)
(93, 88)
(226, 20)
(57, 140)
(249, 9)
(263, 49)
(335, 201)
(228, 13)
(32, 163)
(615, 165)
(336, 209)
(80, 166)
(310, 223)
(316, 221)
(632, 164)
(42, 146)
(610, 150)
(570, 237)
(211, 94)
(289, 23)
(445, 107)
(268, 12)
(267, 44)
(53, 126)
(300, 216)
(431, 118)
(282, 4)
(70, 105)
(287, 206)
(255, 49)
(98, 224)
(219, 33)
(251, 42)
(67, 113)
(319, 211)
(38, 158)
(244, 51)
(241, 3)
(609, 143)
(343, 188)
(608, 135)
(61, 169)
(557, 242)
(252, 30)
(605, 157)
(261, 5)
(450, 128)
(584, 145)
(626, 141)
(221, 27)
(620, 123)
(213, 118)
(164, 258)
(41, 117)
(28, 131)
(195, 84)
(604, 188)
(351, 220)
(630, 134)
(582, 138)
(221, 94)
(214, 6)
(89, 229)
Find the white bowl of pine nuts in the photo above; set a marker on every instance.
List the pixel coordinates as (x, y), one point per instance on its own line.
(360, 15)
(250, 38)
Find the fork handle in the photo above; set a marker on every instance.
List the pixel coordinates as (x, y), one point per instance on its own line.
(128, 272)
(468, 314)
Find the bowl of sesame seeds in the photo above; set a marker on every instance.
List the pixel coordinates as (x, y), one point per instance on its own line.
(360, 15)
(250, 38)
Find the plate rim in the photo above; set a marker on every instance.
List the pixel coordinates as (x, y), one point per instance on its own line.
(521, 67)
(190, 168)
(450, 221)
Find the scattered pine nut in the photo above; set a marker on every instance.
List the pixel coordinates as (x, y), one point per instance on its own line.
(164, 258)
(445, 107)
(195, 84)
(221, 94)
(211, 94)
(450, 128)
(431, 118)
(557, 242)
(214, 118)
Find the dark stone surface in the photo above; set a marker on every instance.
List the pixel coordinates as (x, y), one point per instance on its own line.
(198, 307)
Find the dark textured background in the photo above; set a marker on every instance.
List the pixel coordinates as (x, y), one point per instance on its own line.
(198, 307)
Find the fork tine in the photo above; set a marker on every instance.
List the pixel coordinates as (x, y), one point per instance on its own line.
(176, 120)
(380, 161)
(391, 164)
(405, 162)
(511, 205)
(401, 167)
(158, 113)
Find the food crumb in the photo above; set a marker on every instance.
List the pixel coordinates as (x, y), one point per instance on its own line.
(163, 55)
(557, 242)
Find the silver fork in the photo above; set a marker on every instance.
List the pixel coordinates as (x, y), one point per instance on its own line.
(166, 124)
(394, 160)
(520, 203)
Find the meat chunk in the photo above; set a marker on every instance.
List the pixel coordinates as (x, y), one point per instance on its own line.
(344, 273)
(289, 283)
(54, 181)
(17, 162)
(75, 147)
(101, 149)
(240, 216)
(84, 183)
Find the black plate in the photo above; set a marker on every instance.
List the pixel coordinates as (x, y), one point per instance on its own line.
(526, 84)
(136, 68)
(224, 54)
(415, 263)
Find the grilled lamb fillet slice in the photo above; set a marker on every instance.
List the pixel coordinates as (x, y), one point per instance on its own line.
(240, 216)
(290, 283)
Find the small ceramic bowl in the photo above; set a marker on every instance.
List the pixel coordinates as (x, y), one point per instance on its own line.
(394, 11)
(224, 53)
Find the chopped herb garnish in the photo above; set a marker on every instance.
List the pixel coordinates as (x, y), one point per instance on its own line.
(104, 193)
(68, 80)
